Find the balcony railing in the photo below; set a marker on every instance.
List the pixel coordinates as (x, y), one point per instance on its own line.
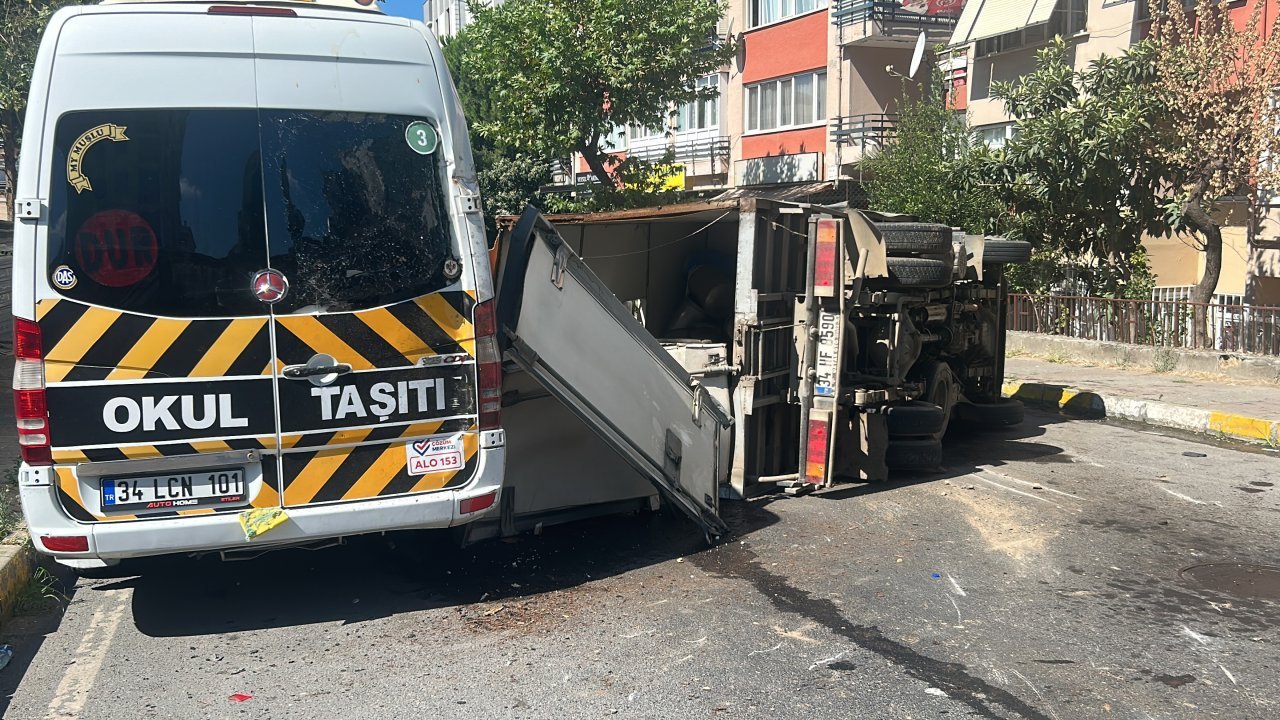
(887, 20)
(870, 130)
(716, 148)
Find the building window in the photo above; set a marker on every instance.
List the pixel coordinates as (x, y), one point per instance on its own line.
(787, 102)
(995, 136)
(764, 12)
(1070, 17)
(701, 114)
(637, 132)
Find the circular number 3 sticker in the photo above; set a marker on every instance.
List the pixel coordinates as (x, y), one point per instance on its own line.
(421, 137)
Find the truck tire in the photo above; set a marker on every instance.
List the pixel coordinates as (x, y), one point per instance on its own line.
(998, 251)
(915, 238)
(925, 454)
(1003, 413)
(915, 273)
(916, 418)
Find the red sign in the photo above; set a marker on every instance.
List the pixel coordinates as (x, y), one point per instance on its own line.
(933, 7)
(116, 248)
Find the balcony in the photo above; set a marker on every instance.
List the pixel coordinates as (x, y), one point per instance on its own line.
(883, 23)
(686, 151)
(861, 136)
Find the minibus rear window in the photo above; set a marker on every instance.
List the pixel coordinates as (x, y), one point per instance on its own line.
(173, 211)
(356, 208)
(158, 211)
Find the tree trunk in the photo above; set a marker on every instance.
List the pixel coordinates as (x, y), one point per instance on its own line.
(595, 160)
(1202, 293)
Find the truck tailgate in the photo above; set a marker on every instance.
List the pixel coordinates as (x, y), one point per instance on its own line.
(560, 323)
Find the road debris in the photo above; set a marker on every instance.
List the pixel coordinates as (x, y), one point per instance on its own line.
(826, 662)
(240, 697)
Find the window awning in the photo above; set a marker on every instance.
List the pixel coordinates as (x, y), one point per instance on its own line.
(983, 19)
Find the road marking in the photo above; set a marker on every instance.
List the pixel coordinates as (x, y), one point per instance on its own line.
(1033, 485)
(1180, 496)
(1006, 488)
(86, 663)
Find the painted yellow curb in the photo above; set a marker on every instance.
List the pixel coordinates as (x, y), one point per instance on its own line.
(16, 564)
(1150, 412)
(1241, 426)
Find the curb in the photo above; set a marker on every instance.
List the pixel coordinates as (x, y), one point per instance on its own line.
(16, 565)
(1089, 404)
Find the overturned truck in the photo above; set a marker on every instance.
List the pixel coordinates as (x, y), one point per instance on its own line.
(728, 348)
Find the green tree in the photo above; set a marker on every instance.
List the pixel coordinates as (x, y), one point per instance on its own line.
(562, 74)
(1217, 81)
(926, 170)
(21, 22)
(509, 178)
(1080, 173)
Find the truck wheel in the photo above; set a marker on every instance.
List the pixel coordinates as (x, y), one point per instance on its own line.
(998, 251)
(1004, 412)
(915, 238)
(914, 454)
(914, 419)
(915, 273)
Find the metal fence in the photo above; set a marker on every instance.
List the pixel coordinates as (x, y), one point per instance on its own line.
(1161, 323)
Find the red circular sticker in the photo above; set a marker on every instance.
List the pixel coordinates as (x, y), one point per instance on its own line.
(116, 248)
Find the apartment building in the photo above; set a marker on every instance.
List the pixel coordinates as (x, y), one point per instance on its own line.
(815, 87)
(447, 17)
(813, 90)
(996, 40)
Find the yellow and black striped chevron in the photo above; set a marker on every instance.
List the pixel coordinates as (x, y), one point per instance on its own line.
(314, 459)
(88, 343)
(376, 467)
(370, 470)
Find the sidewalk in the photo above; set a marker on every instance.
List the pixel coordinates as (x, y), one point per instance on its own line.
(1242, 412)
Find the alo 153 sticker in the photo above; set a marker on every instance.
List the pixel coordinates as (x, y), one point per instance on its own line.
(435, 454)
(64, 278)
(421, 137)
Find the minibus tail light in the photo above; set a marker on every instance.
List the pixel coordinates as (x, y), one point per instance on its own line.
(488, 366)
(30, 405)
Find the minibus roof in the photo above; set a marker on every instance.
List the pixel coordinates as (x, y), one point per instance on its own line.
(370, 6)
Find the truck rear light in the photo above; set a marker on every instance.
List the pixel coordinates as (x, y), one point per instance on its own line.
(815, 465)
(826, 263)
(478, 503)
(65, 543)
(488, 367)
(30, 406)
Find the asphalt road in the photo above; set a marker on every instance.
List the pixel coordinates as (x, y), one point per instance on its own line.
(1064, 570)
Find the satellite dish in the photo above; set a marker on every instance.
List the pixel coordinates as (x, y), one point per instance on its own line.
(917, 57)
